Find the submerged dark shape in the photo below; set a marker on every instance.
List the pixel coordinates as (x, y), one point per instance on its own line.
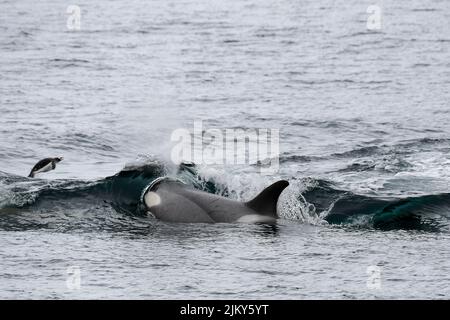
(44, 165)
(424, 212)
(173, 201)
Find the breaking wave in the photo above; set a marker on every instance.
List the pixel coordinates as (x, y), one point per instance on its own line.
(113, 203)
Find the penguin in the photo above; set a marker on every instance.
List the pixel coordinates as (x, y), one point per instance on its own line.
(44, 165)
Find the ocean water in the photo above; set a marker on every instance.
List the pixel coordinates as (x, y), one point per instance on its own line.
(363, 117)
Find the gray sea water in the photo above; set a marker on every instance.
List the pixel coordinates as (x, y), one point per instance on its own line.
(364, 128)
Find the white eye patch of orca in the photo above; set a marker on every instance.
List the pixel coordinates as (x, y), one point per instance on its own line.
(152, 199)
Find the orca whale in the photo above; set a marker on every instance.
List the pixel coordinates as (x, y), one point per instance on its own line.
(173, 201)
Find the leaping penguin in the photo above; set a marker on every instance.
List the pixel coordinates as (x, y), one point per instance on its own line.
(44, 165)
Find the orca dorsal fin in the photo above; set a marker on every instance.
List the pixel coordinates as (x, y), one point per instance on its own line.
(265, 203)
